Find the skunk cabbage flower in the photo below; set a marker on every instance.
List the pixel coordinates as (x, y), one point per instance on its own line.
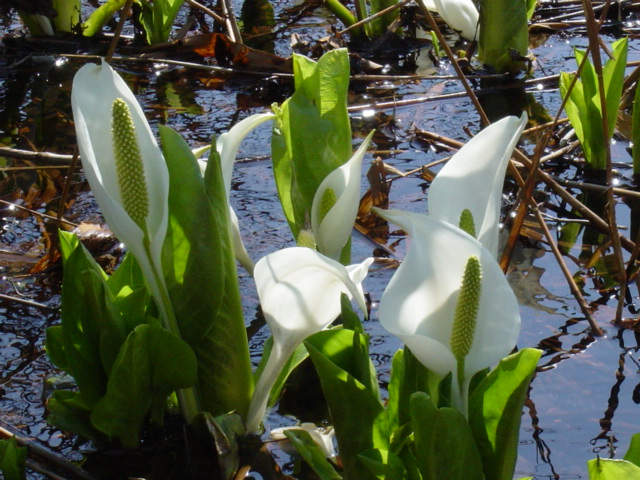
(335, 204)
(460, 15)
(473, 179)
(227, 146)
(124, 166)
(299, 292)
(421, 302)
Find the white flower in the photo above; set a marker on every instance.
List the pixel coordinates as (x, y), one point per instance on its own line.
(299, 292)
(335, 204)
(473, 180)
(419, 303)
(460, 15)
(95, 90)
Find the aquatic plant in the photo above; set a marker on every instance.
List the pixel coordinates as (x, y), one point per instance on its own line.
(299, 292)
(584, 105)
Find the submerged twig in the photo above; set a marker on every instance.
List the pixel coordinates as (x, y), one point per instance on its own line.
(37, 452)
(28, 302)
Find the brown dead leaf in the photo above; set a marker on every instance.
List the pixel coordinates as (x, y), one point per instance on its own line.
(226, 52)
(367, 222)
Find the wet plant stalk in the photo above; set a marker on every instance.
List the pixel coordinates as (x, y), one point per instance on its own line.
(594, 43)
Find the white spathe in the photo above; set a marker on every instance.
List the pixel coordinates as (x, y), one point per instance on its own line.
(95, 87)
(474, 177)
(333, 231)
(227, 145)
(418, 305)
(460, 15)
(299, 292)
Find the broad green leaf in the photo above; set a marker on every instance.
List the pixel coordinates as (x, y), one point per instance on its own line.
(384, 465)
(79, 333)
(407, 377)
(584, 107)
(312, 454)
(157, 19)
(531, 8)
(444, 444)
(101, 16)
(70, 413)
(152, 363)
(201, 276)
(495, 410)
(609, 469)
(357, 414)
(12, 459)
(312, 132)
(633, 454)
(504, 34)
(349, 317)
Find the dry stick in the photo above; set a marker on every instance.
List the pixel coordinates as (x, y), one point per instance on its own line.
(35, 156)
(230, 21)
(371, 18)
(206, 10)
(27, 302)
(594, 43)
(527, 191)
(40, 214)
(124, 13)
(54, 459)
(593, 187)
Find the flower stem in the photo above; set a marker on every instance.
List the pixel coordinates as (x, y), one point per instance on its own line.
(187, 398)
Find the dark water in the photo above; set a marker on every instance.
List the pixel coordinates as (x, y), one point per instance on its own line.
(583, 401)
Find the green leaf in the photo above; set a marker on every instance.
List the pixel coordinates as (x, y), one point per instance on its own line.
(444, 445)
(349, 317)
(157, 19)
(70, 413)
(609, 469)
(152, 364)
(200, 271)
(633, 454)
(407, 377)
(76, 342)
(495, 410)
(357, 414)
(584, 107)
(384, 465)
(312, 454)
(312, 133)
(101, 16)
(12, 459)
(504, 34)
